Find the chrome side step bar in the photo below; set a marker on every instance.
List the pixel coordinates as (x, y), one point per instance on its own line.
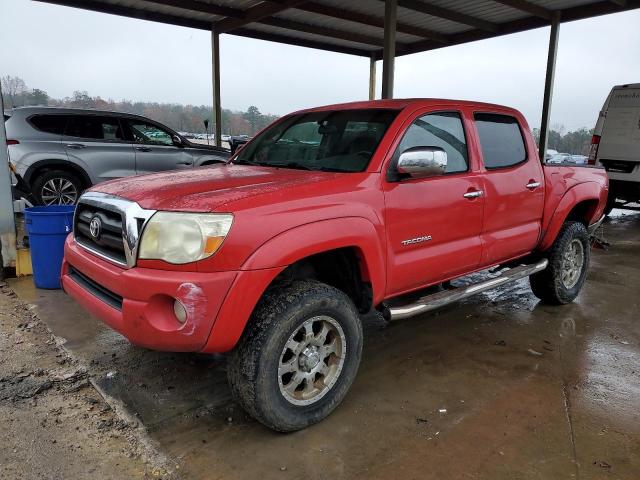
(437, 300)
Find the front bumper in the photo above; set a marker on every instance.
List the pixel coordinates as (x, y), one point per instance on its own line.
(138, 302)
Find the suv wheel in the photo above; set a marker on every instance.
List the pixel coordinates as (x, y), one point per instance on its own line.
(57, 187)
(562, 280)
(298, 356)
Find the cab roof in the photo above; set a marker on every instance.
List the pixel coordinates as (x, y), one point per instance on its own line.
(402, 103)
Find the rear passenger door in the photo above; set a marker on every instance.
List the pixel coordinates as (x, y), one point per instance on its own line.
(155, 149)
(98, 143)
(513, 188)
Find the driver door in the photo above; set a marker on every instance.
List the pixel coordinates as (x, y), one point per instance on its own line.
(155, 149)
(433, 223)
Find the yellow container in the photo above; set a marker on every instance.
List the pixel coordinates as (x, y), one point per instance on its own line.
(23, 262)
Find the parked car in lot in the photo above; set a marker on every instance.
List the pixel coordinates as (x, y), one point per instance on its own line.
(559, 158)
(237, 141)
(327, 214)
(61, 152)
(615, 144)
(550, 153)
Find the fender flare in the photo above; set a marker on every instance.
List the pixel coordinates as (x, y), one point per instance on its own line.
(61, 164)
(573, 196)
(309, 239)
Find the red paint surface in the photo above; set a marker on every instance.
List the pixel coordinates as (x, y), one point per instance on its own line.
(284, 215)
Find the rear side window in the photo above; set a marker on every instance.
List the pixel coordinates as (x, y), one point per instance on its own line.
(95, 127)
(49, 123)
(500, 139)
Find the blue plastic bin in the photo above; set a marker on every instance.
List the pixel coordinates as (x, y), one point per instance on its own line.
(47, 228)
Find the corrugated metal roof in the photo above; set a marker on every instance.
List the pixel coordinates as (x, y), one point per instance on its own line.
(357, 27)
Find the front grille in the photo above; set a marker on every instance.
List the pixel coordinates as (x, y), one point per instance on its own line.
(117, 226)
(95, 289)
(108, 242)
(618, 166)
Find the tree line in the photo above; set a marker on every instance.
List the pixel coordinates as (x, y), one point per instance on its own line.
(183, 118)
(576, 142)
(190, 118)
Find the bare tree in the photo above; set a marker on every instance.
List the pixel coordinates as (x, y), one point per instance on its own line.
(13, 88)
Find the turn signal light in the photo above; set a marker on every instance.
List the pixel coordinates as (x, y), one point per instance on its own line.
(12, 142)
(179, 311)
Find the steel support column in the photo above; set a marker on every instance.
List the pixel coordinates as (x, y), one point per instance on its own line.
(548, 85)
(389, 52)
(372, 77)
(215, 79)
(7, 221)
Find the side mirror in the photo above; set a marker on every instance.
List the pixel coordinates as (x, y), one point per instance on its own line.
(420, 162)
(177, 141)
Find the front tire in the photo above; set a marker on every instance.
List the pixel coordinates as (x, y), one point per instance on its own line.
(562, 280)
(298, 356)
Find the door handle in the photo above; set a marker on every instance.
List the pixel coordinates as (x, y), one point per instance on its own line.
(532, 185)
(188, 164)
(76, 146)
(473, 194)
(143, 149)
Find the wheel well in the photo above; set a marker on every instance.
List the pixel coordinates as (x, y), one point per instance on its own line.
(583, 211)
(342, 268)
(39, 168)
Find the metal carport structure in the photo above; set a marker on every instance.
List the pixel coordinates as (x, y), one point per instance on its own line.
(377, 29)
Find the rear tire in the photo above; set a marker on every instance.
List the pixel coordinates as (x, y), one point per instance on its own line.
(298, 356)
(57, 187)
(562, 280)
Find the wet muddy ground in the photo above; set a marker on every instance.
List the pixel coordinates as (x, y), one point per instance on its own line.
(499, 386)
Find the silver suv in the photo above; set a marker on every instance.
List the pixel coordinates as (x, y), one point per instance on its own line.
(60, 152)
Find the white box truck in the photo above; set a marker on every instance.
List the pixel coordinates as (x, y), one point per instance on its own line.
(615, 144)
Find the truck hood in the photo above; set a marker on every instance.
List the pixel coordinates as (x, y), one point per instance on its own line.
(208, 188)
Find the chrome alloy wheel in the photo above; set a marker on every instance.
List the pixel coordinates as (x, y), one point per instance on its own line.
(572, 263)
(59, 191)
(311, 360)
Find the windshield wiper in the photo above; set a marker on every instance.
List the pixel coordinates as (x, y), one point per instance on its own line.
(249, 162)
(297, 165)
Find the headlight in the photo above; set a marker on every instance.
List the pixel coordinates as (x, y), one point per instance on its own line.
(177, 237)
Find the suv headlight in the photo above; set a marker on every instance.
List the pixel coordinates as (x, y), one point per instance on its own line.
(177, 237)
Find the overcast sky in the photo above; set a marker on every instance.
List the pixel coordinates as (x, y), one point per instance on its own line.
(60, 49)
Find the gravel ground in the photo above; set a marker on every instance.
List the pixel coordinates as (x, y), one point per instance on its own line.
(53, 423)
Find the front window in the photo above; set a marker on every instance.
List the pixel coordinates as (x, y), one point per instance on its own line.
(149, 133)
(439, 129)
(337, 141)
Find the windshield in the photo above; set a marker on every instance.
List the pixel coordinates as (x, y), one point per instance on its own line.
(335, 141)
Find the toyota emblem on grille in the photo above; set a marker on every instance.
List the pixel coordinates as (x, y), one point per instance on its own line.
(95, 227)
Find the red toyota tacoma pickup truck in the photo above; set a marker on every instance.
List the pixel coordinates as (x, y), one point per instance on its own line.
(325, 215)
